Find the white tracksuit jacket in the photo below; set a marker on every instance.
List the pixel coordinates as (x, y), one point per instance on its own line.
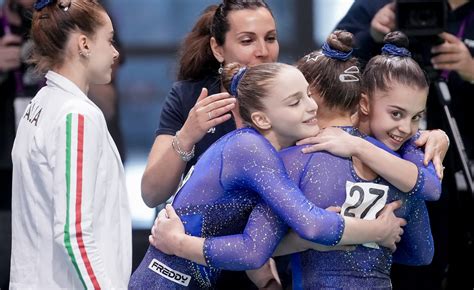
(71, 224)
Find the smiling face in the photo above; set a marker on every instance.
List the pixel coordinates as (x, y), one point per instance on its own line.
(289, 111)
(251, 39)
(394, 115)
(102, 53)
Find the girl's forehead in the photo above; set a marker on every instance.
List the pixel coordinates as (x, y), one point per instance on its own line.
(406, 97)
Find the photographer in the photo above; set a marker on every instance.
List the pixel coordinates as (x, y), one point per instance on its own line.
(452, 59)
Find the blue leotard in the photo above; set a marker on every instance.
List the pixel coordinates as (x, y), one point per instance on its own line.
(225, 200)
(322, 177)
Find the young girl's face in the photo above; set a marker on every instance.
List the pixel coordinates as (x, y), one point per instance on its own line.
(102, 53)
(395, 115)
(290, 110)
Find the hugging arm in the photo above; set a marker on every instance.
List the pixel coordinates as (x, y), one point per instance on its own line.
(404, 169)
(416, 246)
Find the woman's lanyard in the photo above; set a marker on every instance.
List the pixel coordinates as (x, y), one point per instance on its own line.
(17, 73)
(445, 73)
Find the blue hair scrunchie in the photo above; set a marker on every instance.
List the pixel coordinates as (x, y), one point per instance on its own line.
(40, 4)
(236, 80)
(392, 49)
(336, 54)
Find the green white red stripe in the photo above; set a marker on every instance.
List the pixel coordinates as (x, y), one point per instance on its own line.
(73, 235)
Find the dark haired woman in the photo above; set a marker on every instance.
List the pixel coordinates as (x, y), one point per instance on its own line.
(197, 110)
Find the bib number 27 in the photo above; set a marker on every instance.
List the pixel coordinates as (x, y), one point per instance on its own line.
(364, 200)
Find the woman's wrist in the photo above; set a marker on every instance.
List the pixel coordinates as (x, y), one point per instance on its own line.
(180, 148)
(186, 140)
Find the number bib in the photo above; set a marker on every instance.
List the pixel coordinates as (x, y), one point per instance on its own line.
(364, 200)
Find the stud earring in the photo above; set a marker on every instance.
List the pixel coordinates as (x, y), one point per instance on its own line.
(87, 54)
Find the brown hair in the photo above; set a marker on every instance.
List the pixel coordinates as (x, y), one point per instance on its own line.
(196, 59)
(253, 86)
(323, 73)
(382, 70)
(52, 25)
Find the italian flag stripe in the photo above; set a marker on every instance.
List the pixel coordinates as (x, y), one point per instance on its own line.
(73, 227)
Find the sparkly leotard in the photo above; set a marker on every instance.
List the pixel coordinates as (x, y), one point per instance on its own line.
(322, 177)
(224, 200)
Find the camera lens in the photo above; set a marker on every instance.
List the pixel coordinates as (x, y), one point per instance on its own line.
(423, 18)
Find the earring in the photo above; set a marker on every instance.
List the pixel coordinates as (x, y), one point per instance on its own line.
(221, 68)
(87, 54)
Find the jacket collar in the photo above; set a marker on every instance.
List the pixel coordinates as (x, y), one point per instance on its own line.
(54, 79)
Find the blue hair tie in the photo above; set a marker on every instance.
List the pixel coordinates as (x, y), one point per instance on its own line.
(394, 50)
(336, 54)
(40, 4)
(236, 80)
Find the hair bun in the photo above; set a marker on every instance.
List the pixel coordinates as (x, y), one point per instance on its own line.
(396, 44)
(338, 45)
(397, 38)
(230, 70)
(341, 40)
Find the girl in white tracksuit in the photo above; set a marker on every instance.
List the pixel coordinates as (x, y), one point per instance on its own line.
(70, 212)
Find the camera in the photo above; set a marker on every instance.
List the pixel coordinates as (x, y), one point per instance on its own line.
(421, 18)
(422, 21)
